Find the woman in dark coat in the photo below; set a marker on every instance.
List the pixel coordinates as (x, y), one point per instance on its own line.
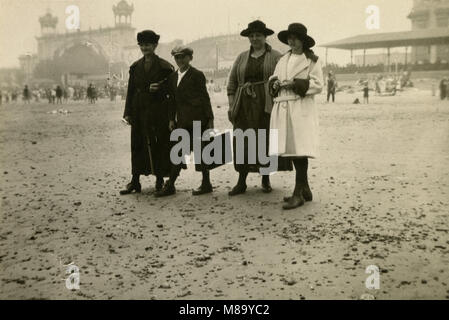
(146, 110)
(250, 103)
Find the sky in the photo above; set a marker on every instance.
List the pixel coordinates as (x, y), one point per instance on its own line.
(326, 20)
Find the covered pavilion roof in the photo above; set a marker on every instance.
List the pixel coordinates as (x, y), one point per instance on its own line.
(422, 37)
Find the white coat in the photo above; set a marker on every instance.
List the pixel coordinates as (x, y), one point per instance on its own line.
(296, 118)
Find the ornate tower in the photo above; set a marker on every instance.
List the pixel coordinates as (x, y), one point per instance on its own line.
(48, 23)
(430, 14)
(123, 9)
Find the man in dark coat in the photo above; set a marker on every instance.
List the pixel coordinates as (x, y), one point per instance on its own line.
(58, 95)
(146, 109)
(189, 102)
(331, 86)
(26, 94)
(90, 93)
(443, 86)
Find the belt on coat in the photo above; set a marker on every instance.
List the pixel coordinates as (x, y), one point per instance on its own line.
(286, 98)
(248, 88)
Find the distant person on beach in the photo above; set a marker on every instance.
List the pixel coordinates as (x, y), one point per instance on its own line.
(58, 95)
(26, 94)
(91, 93)
(447, 88)
(65, 95)
(14, 96)
(331, 86)
(366, 93)
(443, 88)
(53, 96)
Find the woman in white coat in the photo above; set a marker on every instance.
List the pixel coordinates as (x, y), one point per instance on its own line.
(298, 77)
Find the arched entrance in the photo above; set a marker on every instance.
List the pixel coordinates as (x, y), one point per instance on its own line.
(80, 60)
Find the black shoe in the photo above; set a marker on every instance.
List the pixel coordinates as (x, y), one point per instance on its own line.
(203, 189)
(167, 190)
(266, 187)
(294, 202)
(306, 194)
(159, 184)
(130, 187)
(238, 189)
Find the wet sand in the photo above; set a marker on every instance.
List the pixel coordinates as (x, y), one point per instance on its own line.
(381, 197)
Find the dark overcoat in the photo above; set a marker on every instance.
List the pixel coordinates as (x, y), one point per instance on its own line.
(190, 100)
(148, 111)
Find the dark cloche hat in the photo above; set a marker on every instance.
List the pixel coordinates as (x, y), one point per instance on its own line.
(182, 50)
(256, 26)
(147, 36)
(299, 30)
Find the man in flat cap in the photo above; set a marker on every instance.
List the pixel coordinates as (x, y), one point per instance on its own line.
(146, 109)
(189, 102)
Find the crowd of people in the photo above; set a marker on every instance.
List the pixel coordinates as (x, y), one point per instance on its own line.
(381, 67)
(58, 94)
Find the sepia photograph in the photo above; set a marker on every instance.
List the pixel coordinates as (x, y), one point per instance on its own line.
(216, 150)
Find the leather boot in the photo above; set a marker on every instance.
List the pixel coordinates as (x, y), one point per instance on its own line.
(159, 184)
(206, 186)
(296, 200)
(203, 189)
(266, 185)
(240, 187)
(130, 187)
(167, 190)
(306, 193)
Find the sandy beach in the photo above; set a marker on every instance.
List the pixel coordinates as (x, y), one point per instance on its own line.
(381, 197)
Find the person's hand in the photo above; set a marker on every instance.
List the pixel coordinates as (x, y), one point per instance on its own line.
(287, 84)
(276, 85)
(128, 119)
(154, 87)
(171, 125)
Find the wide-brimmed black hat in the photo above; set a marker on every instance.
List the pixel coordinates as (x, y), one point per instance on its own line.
(299, 30)
(147, 36)
(256, 26)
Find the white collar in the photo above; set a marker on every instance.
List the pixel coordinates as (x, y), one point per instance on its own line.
(182, 73)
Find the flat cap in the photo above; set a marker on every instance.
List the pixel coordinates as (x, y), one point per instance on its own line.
(147, 36)
(182, 50)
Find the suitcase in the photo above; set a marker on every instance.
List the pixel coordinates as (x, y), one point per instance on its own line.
(225, 141)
